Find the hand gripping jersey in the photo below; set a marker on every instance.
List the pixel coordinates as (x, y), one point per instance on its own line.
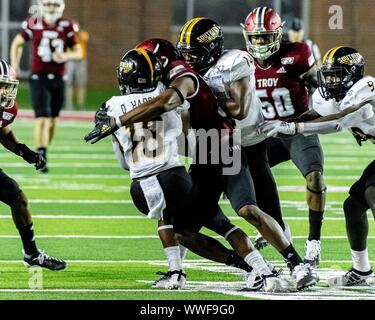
(232, 66)
(362, 92)
(148, 147)
(280, 86)
(203, 104)
(47, 39)
(8, 114)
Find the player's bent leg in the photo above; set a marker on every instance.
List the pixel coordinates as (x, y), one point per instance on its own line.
(303, 273)
(370, 198)
(23, 221)
(174, 278)
(316, 198)
(357, 230)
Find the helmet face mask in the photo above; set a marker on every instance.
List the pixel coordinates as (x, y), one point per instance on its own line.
(52, 10)
(201, 43)
(342, 68)
(8, 85)
(271, 40)
(139, 72)
(263, 31)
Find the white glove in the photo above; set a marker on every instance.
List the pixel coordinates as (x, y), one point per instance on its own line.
(275, 127)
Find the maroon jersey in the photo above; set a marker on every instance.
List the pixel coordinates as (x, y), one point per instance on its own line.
(47, 39)
(8, 114)
(280, 87)
(203, 103)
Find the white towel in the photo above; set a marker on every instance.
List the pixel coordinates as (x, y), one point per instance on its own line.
(154, 196)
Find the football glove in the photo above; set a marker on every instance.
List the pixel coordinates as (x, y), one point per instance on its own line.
(102, 129)
(101, 113)
(276, 127)
(30, 156)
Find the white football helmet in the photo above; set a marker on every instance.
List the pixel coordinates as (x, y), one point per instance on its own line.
(8, 85)
(52, 10)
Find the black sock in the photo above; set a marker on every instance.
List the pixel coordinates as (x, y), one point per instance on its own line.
(27, 237)
(315, 221)
(43, 152)
(234, 260)
(291, 257)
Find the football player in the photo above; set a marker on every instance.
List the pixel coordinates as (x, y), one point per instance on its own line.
(10, 192)
(230, 75)
(161, 187)
(54, 42)
(345, 100)
(282, 68)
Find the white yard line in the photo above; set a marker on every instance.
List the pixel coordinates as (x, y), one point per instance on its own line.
(142, 217)
(76, 236)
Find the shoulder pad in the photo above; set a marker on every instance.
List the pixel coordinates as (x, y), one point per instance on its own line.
(362, 91)
(235, 65)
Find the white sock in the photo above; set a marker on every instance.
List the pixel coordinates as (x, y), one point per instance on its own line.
(360, 260)
(287, 233)
(183, 252)
(256, 261)
(173, 258)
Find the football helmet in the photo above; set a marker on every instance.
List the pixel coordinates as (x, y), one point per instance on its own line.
(342, 67)
(164, 50)
(8, 85)
(201, 43)
(52, 10)
(139, 71)
(263, 31)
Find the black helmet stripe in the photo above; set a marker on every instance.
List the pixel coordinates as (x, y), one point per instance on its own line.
(4, 68)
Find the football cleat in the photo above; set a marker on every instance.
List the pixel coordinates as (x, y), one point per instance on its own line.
(273, 284)
(260, 243)
(312, 256)
(171, 280)
(305, 276)
(255, 282)
(41, 259)
(352, 278)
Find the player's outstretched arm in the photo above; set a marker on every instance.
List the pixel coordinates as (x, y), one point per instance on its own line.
(9, 141)
(173, 97)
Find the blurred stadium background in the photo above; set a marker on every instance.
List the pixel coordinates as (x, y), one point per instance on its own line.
(115, 26)
(82, 209)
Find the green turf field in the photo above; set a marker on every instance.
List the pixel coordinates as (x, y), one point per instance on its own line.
(83, 213)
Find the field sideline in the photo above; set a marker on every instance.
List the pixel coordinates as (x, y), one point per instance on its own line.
(83, 213)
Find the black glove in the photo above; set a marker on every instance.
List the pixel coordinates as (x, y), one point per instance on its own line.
(102, 129)
(101, 113)
(30, 156)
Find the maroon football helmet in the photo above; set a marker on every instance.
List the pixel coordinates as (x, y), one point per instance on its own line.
(8, 85)
(164, 50)
(266, 23)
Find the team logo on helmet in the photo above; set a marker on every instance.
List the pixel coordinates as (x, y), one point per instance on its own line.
(209, 35)
(126, 66)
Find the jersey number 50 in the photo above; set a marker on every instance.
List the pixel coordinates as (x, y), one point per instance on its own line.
(282, 103)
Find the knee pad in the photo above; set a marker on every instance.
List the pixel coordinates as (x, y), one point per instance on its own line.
(315, 182)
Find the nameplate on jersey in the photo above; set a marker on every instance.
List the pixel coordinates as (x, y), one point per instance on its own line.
(265, 83)
(7, 116)
(50, 34)
(287, 60)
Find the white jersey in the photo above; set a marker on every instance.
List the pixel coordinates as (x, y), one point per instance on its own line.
(148, 148)
(232, 66)
(362, 92)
